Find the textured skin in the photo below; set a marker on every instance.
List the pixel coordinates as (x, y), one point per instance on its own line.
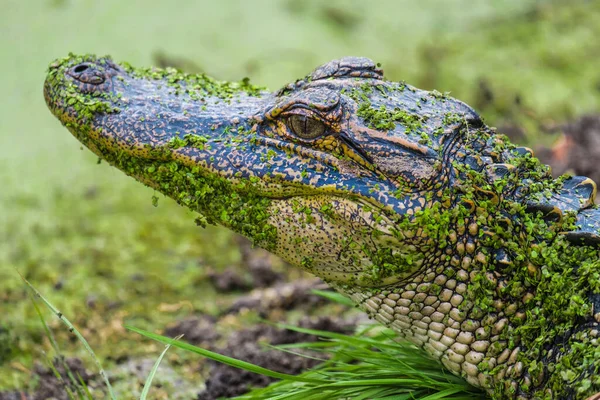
(404, 201)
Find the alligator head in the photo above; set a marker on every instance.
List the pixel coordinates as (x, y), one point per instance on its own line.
(400, 198)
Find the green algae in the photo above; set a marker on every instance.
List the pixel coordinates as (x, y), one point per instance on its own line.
(546, 280)
(558, 276)
(188, 140)
(235, 205)
(197, 86)
(383, 119)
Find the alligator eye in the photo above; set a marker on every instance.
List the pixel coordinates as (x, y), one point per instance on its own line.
(305, 127)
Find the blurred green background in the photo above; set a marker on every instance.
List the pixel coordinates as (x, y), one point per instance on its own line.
(90, 239)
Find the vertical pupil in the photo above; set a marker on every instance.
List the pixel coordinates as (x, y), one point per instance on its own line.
(306, 127)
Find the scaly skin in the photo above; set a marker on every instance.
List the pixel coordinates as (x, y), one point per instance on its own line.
(400, 198)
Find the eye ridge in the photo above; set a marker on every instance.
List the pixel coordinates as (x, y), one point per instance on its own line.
(305, 127)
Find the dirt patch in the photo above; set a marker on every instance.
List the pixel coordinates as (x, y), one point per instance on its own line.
(270, 297)
(259, 263)
(514, 131)
(283, 296)
(230, 280)
(195, 330)
(51, 387)
(255, 270)
(12, 396)
(225, 381)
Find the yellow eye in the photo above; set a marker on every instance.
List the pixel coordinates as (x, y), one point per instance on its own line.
(306, 127)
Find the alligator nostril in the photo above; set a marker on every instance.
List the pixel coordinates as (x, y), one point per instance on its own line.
(88, 73)
(80, 68)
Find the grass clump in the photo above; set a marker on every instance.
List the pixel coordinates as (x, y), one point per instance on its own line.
(81, 339)
(369, 364)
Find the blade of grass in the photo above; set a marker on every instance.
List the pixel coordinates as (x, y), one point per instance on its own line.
(54, 345)
(442, 394)
(73, 330)
(150, 377)
(333, 335)
(84, 386)
(59, 377)
(221, 358)
(369, 364)
(335, 297)
(295, 353)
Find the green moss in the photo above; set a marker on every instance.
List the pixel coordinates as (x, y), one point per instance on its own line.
(197, 86)
(546, 280)
(188, 140)
(383, 119)
(7, 344)
(220, 201)
(559, 291)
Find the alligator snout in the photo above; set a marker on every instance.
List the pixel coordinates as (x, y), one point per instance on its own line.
(80, 85)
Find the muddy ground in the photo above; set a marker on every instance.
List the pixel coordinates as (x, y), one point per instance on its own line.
(264, 292)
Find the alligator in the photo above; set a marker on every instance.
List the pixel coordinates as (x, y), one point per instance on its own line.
(399, 198)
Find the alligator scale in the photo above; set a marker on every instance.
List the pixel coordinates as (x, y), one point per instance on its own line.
(402, 199)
